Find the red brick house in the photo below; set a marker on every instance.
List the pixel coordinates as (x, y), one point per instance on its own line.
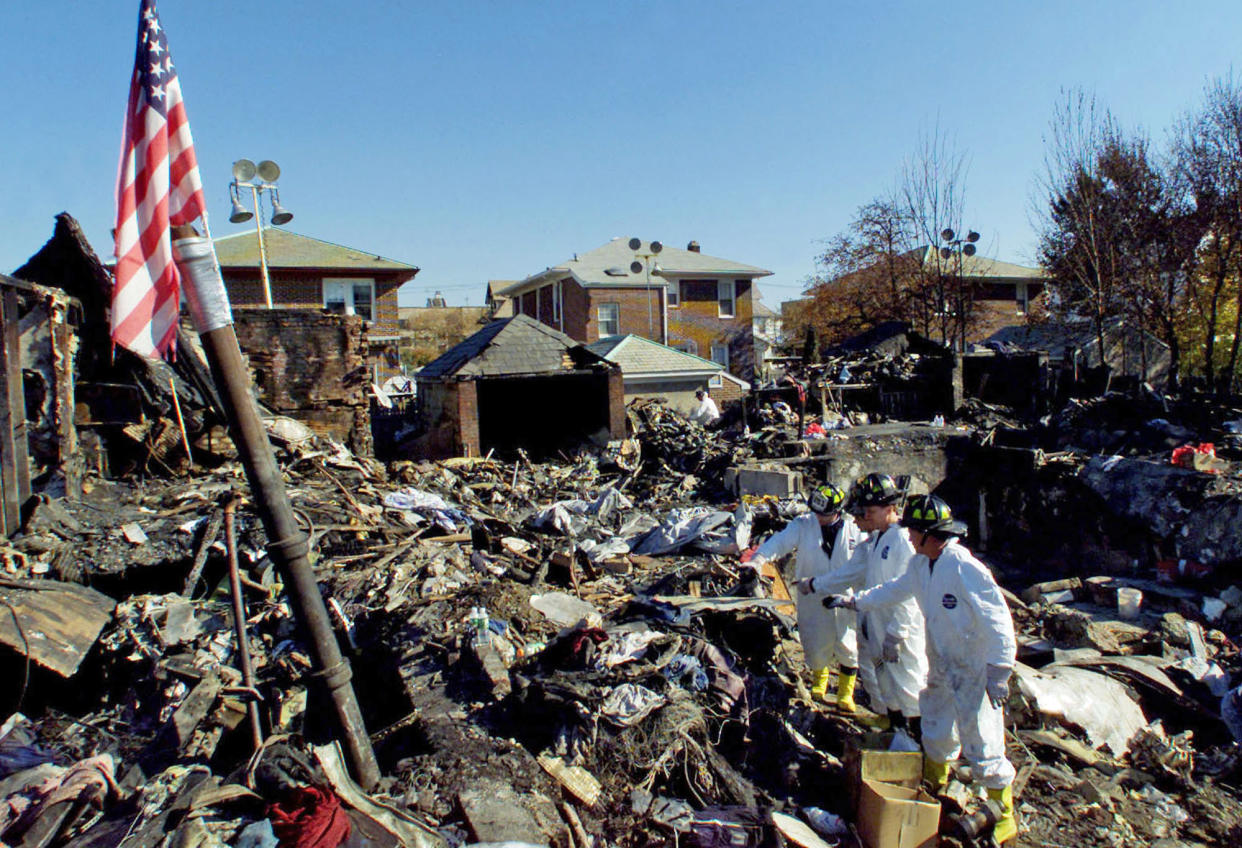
(309, 273)
(685, 299)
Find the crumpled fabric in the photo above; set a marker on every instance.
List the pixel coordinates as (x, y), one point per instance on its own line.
(429, 505)
(309, 817)
(568, 517)
(19, 748)
(700, 526)
(1231, 712)
(725, 684)
(686, 671)
(728, 827)
(626, 647)
(257, 835)
(629, 704)
(575, 649)
(92, 781)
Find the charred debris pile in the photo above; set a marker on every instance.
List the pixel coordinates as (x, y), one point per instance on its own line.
(548, 653)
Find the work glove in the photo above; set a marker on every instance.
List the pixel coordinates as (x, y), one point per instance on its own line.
(805, 586)
(839, 602)
(998, 685)
(889, 651)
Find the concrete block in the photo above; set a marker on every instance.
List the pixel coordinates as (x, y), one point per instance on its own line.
(781, 483)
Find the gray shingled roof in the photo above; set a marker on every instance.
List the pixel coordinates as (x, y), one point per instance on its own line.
(292, 250)
(983, 267)
(1055, 336)
(640, 357)
(511, 346)
(591, 268)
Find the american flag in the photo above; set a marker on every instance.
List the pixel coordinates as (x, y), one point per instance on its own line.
(158, 186)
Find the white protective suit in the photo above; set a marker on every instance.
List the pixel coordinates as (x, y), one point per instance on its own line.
(892, 686)
(968, 628)
(705, 411)
(828, 636)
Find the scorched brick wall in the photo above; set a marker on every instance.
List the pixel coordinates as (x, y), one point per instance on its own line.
(311, 366)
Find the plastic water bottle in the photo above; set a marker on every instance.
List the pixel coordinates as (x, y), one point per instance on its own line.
(483, 624)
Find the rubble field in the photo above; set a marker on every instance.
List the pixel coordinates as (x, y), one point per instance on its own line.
(571, 653)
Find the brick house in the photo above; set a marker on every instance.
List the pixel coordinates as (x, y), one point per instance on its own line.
(309, 273)
(517, 383)
(1004, 293)
(685, 299)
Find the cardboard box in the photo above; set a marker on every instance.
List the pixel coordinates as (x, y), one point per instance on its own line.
(891, 810)
(874, 762)
(893, 816)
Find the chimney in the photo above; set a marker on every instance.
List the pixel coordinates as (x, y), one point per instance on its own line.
(693, 247)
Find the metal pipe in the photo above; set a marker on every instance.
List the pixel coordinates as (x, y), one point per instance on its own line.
(287, 544)
(288, 547)
(239, 619)
(258, 225)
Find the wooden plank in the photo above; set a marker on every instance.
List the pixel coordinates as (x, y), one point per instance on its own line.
(10, 504)
(56, 623)
(17, 393)
(780, 591)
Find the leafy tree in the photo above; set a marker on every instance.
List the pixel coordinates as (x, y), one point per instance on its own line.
(1208, 149)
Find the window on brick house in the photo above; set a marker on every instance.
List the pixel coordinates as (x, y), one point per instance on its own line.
(609, 316)
(720, 353)
(725, 297)
(350, 297)
(673, 293)
(688, 346)
(1023, 296)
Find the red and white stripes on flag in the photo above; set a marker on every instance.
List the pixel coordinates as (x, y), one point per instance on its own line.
(158, 186)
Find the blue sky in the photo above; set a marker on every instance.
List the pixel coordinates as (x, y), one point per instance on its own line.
(489, 140)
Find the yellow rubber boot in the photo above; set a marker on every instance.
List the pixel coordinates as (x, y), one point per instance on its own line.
(819, 683)
(845, 691)
(1007, 827)
(936, 773)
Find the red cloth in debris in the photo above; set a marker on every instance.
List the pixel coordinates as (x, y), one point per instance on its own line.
(309, 817)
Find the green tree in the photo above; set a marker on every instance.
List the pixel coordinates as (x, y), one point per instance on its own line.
(1209, 156)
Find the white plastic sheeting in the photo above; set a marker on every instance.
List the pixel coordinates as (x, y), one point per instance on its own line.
(1098, 704)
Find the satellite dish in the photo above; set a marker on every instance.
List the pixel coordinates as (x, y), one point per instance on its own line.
(636, 267)
(972, 236)
(947, 234)
(968, 249)
(635, 243)
(269, 171)
(243, 170)
(945, 253)
(656, 247)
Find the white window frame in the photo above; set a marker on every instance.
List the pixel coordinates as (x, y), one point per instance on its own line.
(1021, 295)
(723, 349)
(726, 292)
(348, 283)
(715, 381)
(556, 303)
(673, 294)
(687, 346)
(616, 319)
